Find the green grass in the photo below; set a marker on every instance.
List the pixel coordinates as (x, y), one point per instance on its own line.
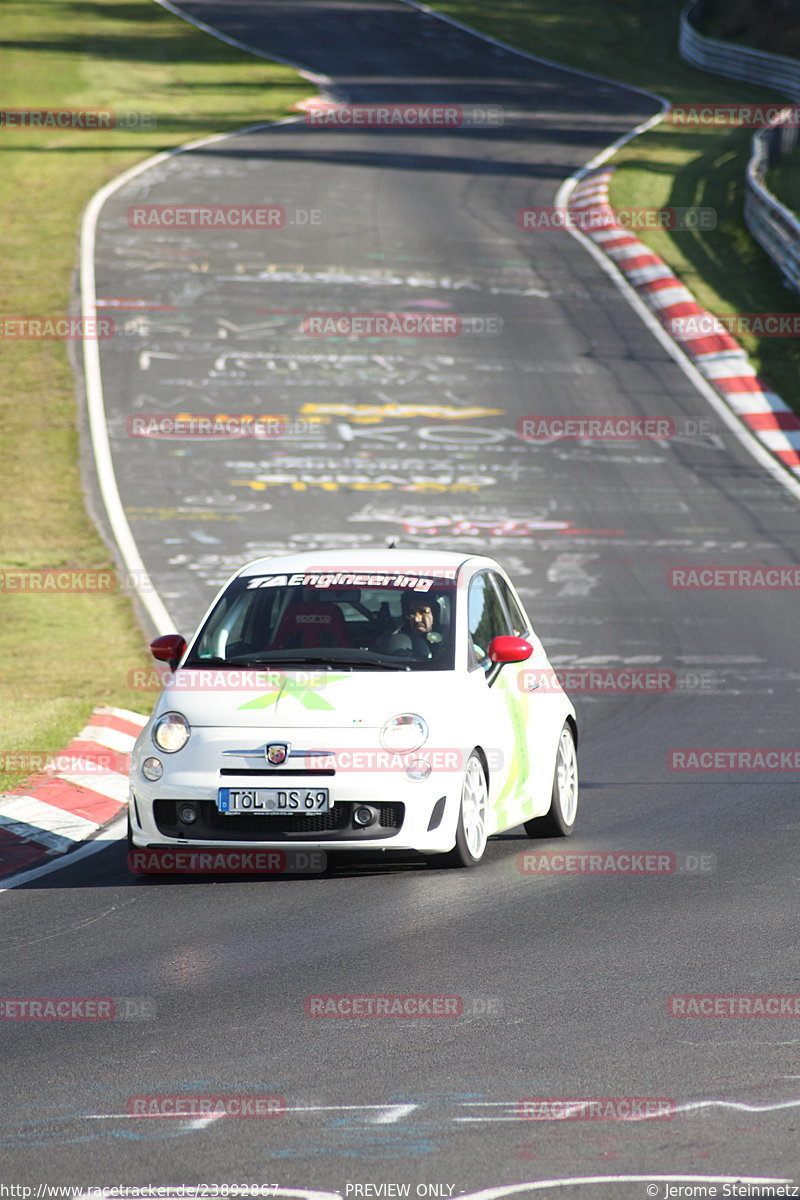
(638, 44)
(783, 180)
(62, 654)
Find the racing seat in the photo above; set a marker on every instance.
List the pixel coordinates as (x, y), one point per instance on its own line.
(311, 623)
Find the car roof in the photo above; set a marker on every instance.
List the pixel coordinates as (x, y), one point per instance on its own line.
(347, 560)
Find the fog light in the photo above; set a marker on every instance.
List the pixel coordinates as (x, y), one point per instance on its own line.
(418, 768)
(152, 769)
(187, 813)
(364, 816)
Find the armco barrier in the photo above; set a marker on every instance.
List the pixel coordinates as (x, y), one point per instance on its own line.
(738, 62)
(773, 225)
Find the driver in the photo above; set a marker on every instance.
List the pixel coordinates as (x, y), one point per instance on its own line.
(415, 636)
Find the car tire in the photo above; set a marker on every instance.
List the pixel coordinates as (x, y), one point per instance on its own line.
(472, 816)
(559, 820)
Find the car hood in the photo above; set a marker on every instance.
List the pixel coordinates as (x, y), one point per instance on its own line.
(303, 699)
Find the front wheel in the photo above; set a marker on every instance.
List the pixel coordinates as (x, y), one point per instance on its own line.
(472, 817)
(559, 821)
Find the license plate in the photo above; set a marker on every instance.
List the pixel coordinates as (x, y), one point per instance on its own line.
(273, 800)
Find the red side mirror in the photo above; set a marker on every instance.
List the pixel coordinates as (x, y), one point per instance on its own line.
(509, 649)
(169, 648)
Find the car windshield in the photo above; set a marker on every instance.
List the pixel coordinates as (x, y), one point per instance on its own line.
(367, 620)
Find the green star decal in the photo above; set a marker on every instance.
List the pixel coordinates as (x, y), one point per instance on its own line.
(305, 693)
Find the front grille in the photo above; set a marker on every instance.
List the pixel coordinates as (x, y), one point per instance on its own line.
(391, 815)
(212, 825)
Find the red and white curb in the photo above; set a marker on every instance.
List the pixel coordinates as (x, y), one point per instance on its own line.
(718, 356)
(67, 803)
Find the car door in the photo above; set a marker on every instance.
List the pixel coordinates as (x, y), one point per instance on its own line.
(540, 710)
(503, 730)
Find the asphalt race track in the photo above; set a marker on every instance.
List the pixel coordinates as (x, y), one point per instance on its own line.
(564, 979)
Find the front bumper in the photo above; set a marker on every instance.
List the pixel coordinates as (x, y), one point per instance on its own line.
(412, 814)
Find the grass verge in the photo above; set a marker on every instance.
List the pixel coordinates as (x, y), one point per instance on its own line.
(783, 180)
(671, 165)
(63, 653)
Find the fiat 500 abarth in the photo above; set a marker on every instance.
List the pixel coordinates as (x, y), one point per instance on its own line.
(370, 700)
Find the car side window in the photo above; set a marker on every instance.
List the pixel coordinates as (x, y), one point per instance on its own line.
(486, 616)
(520, 625)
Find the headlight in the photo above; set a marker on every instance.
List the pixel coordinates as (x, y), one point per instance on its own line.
(404, 733)
(171, 732)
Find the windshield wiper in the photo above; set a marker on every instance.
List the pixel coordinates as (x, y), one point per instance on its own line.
(286, 657)
(207, 662)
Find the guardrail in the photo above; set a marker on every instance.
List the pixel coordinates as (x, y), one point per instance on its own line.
(771, 223)
(739, 62)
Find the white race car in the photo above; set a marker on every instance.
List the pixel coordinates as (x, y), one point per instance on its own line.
(371, 700)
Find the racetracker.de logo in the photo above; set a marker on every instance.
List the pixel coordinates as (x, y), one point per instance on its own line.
(56, 328)
(533, 428)
(57, 580)
(386, 116)
(218, 679)
(389, 1005)
(191, 1105)
(616, 862)
(763, 324)
(214, 426)
(382, 324)
(734, 758)
(607, 681)
(208, 216)
(749, 116)
(598, 1108)
(737, 1006)
(57, 118)
(75, 1008)
(735, 579)
(80, 762)
(594, 217)
(163, 860)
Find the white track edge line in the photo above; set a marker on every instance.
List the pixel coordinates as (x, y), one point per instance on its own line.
(93, 383)
(112, 832)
